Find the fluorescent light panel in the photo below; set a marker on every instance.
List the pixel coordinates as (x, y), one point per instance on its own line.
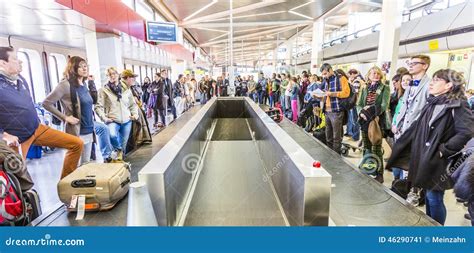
(301, 15)
(210, 29)
(200, 10)
(246, 16)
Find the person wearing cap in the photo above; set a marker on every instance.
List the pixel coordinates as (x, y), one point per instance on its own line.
(116, 107)
(140, 132)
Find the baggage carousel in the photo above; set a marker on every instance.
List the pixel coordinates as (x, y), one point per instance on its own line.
(228, 164)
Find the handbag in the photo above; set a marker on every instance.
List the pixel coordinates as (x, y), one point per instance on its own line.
(375, 133)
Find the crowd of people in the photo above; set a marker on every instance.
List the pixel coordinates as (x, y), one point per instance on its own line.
(426, 120)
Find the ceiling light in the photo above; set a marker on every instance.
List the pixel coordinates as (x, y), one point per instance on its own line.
(210, 29)
(200, 10)
(301, 15)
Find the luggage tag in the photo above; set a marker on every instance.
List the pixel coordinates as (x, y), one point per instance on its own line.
(73, 203)
(81, 203)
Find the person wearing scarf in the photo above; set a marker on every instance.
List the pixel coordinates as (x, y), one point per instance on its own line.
(76, 103)
(116, 107)
(445, 125)
(373, 101)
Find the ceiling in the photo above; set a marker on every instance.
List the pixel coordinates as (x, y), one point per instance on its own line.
(45, 21)
(258, 24)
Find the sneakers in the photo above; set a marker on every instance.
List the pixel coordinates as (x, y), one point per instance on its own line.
(413, 198)
(117, 155)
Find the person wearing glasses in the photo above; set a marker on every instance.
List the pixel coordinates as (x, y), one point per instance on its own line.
(442, 129)
(116, 107)
(415, 96)
(76, 103)
(413, 101)
(17, 106)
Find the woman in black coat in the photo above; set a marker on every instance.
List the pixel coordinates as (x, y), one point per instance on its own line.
(156, 101)
(445, 125)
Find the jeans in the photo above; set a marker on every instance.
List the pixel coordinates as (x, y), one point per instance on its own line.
(397, 173)
(435, 207)
(353, 128)
(334, 130)
(119, 134)
(88, 139)
(470, 209)
(282, 102)
(260, 97)
(203, 98)
(102, 132)
(271, 100)
(173, 111)
(252, 96)
(162, 116)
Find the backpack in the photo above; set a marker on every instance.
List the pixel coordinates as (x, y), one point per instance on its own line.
(349, 102)
(12, 209)
(19, 204)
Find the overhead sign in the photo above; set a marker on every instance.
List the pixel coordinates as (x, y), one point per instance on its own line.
(161, 31)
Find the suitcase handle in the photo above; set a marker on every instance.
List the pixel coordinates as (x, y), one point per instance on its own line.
(83, 183)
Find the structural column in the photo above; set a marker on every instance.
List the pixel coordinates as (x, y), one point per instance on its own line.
(92, 53)
(289, 54)
(275, 59)
(103, 50)
(316, 45)
(231, 42)
(389, 38)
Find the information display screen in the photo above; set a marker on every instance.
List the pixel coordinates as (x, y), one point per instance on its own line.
(161, 31)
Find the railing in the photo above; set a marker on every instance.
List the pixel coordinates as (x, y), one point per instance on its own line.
(426, 8)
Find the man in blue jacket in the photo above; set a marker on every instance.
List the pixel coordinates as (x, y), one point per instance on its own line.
(19, 123)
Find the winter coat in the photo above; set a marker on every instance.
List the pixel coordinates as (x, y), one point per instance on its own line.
(382, 102)
(157, 89)
(464, 176)
(169, 91)
(410, 113)
(450, 127)
(109, 106)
